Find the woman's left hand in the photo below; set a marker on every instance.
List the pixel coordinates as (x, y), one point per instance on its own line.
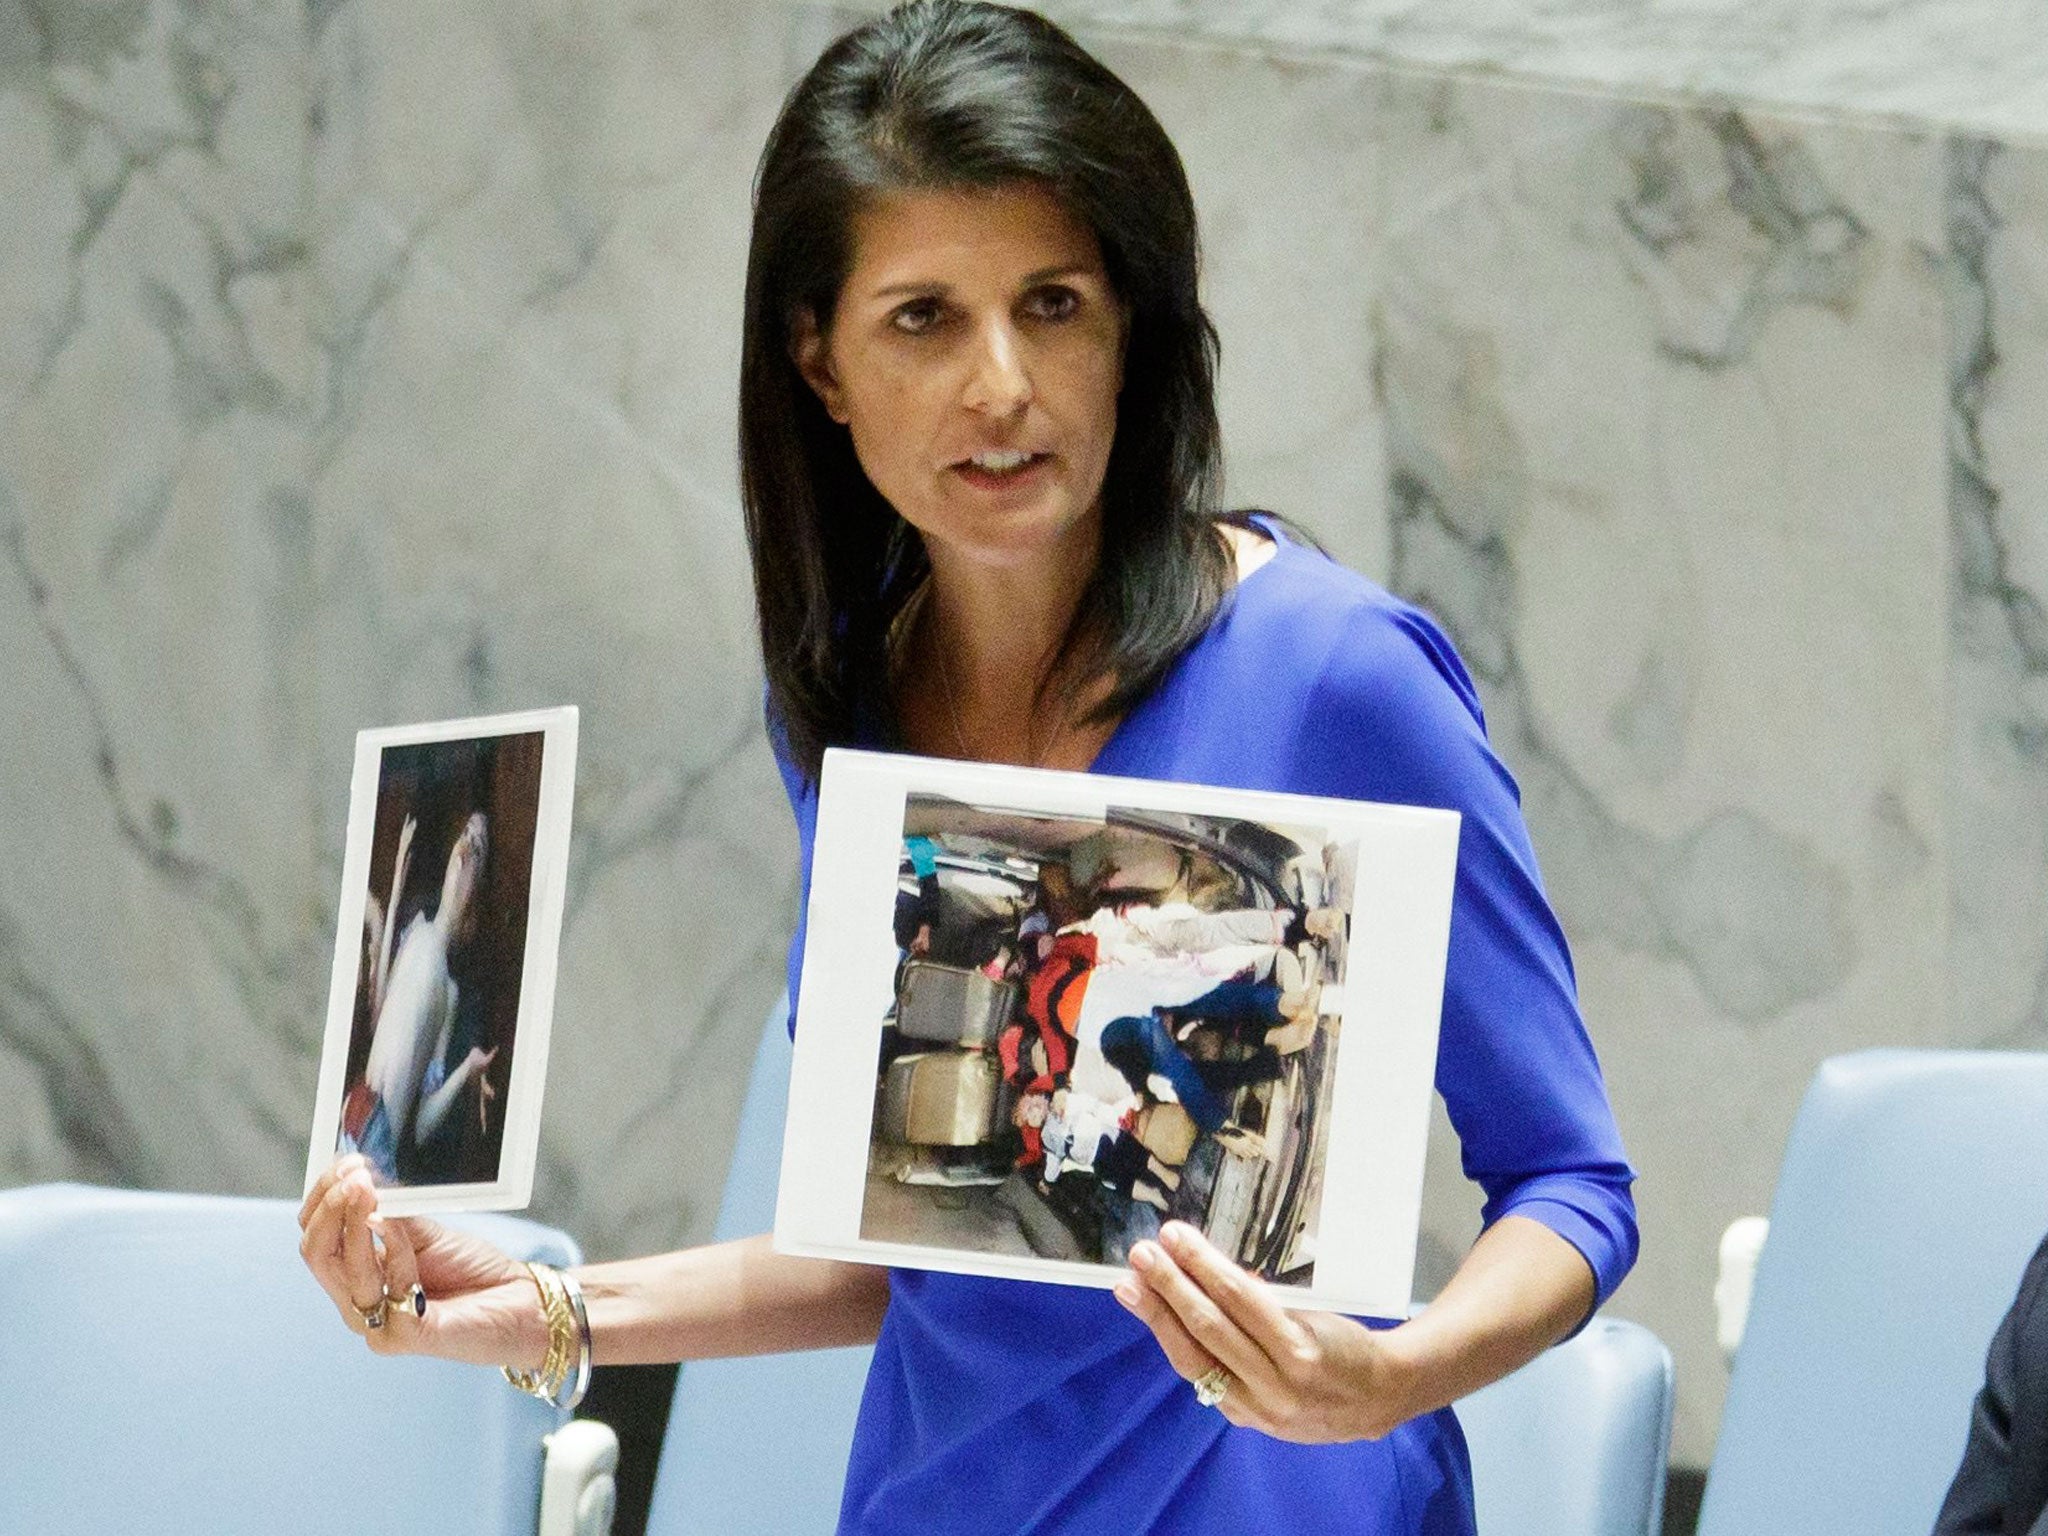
(482, 1303)
(1312, 1377)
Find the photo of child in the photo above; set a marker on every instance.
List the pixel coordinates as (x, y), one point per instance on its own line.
(441, 1000)
(444, 937)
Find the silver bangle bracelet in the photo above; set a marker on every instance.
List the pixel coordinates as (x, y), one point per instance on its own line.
(580, 1378)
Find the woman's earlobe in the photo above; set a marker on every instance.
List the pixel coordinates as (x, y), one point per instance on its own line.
(808, 350)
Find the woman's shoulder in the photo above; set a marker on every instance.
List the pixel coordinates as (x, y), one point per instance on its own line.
(1344, 632)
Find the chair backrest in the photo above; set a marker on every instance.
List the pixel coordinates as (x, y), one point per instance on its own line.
(1575, 1443)
(758, 1444)
(171, 1367)
(1915, 1186)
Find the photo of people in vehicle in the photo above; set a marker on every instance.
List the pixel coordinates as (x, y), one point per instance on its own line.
(1101, 1024)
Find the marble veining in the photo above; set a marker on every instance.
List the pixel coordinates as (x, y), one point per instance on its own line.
(150, 834)
(1999, 771)
(1725, 229)
(1772, 217)
(659, 813)
(1974, 65)
(1997, 616)
(273, 977)
(1649, 719)
(95, 1138)
(1760, 922)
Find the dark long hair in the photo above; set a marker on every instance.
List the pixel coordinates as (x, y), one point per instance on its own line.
(950, 94)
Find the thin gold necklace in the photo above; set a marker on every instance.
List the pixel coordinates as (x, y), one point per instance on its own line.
(1036, 752)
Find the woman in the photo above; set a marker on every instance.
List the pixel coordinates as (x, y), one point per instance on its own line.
(979, 454)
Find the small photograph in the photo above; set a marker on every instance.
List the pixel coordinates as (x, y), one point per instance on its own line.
(436, 1044)
(1101, 1024)
(1042, 1013)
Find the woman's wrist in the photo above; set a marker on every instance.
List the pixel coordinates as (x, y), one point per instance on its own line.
(1520, 1290)
(1400, 1371)
(522, 1323)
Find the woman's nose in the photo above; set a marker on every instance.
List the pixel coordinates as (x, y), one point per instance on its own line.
(998, 384)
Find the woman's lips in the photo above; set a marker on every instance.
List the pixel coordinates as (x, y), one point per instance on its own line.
(1028, 473)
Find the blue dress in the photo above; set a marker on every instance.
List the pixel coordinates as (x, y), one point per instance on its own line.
(1007, 1406)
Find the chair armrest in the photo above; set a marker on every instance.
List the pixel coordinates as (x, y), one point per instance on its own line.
(1741, 1245)
(578, 1486)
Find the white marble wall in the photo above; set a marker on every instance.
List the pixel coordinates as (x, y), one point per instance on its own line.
(1976, 65)
(531, 226)
(363, 363)
(372, 361)
(162, 913)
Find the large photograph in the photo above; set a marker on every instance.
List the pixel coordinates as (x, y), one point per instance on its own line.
(1044, 1013)
(450, 918)
(1102, 1023)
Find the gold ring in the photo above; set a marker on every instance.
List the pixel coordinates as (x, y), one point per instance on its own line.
(1211, 1386)
(374, 1316)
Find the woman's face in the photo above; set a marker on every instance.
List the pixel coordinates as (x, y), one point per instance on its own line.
(975, 356)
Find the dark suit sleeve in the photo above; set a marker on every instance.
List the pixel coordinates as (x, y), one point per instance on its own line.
(1981, 1500)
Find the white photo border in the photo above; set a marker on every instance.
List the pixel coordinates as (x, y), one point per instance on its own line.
(547, 893)
(1385, 1071)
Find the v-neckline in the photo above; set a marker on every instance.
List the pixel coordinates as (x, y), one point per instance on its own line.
(1102, 762)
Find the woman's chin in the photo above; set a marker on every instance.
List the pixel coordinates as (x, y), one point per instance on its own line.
(1018, 535)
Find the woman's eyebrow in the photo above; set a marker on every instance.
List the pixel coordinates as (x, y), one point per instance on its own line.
(1064, 269)
(936, 289)
(914, 285)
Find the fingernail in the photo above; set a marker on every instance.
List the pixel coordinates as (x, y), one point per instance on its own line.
(1128, 1295)
(1178, 1236)
(1143, 1258)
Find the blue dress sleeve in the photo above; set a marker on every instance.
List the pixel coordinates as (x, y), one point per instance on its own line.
(803, 804)
(1394, 716)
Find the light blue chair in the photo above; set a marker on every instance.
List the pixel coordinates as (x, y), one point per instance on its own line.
(1915, 1186)
(170, 1366)
(1576, 1442)
(758, 1444)
(1573, 1445)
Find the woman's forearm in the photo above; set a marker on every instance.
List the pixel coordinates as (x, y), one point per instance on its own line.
(1520, 1290)
(736, 1298)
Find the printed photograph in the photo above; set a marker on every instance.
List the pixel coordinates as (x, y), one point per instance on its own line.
(1102, 1023)
(444, 943)
(1043, 1013)
(439, 1014)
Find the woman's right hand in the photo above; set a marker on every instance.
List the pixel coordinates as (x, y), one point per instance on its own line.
(481, 1305)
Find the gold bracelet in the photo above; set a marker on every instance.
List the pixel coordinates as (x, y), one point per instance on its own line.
(566, 1344)
(532, 1381)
